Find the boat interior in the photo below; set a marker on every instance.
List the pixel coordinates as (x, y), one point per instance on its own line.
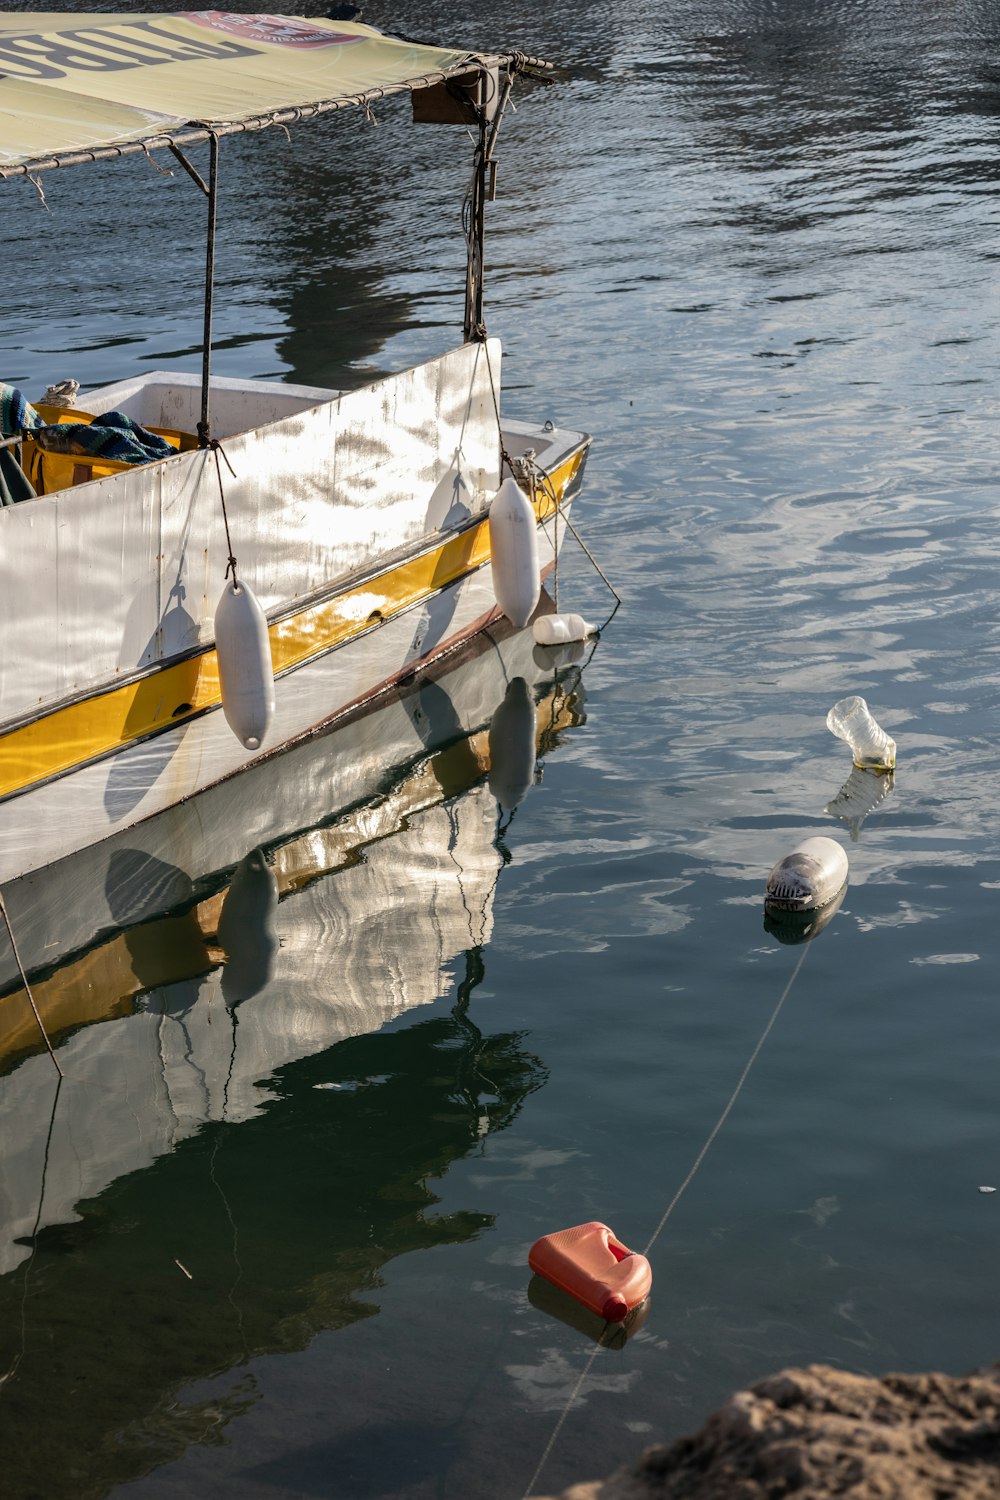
(168, 403)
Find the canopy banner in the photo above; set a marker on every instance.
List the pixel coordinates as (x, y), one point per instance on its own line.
(80, 81)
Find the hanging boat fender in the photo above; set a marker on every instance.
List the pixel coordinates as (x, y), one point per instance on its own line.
(514, 553)
(246, 676)
(512, 745)
(594, 1267)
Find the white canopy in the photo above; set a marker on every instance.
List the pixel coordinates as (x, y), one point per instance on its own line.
(81, 82)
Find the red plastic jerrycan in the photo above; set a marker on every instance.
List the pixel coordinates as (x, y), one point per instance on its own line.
(593, 1266)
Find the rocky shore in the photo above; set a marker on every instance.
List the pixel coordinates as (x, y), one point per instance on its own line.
(819, 1432)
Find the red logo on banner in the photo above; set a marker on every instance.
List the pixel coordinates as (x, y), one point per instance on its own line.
(276, 31)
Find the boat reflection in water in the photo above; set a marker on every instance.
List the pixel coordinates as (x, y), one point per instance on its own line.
(240, 1144)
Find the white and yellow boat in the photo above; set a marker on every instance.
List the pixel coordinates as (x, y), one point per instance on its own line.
(354, 527)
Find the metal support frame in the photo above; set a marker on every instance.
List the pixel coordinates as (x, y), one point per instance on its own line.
(474, 325)
(483, 191)
(204, 426)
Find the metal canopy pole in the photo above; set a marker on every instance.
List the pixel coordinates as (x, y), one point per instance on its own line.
(204, 427)
(474, 326)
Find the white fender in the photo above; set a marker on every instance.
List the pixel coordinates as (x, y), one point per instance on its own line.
(808, 877)
(558, 630)
(246, 676)
(512, 745)
(514, 553)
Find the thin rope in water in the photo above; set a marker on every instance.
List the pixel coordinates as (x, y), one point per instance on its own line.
(729, 1106)
(713, 1133)
(27, 986)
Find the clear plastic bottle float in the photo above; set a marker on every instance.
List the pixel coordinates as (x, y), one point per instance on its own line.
(593, 1266)
(514, 553)
(808, 877)
(246, 675)
(560, 630)
(873, 750)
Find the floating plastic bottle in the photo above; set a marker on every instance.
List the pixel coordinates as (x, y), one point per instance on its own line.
(592, 1265)
(872, 748)
(808, 876)
(558, 630)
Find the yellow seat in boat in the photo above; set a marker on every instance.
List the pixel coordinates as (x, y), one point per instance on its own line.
(60, 471)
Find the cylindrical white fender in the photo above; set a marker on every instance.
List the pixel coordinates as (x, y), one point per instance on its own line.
(512, 745)
(557, 630)
(808, 877)
(514, 553)
(246, 676)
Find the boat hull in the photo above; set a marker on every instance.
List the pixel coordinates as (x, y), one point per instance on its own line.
(142, 778)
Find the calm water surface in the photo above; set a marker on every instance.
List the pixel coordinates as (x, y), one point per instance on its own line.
(753, 248)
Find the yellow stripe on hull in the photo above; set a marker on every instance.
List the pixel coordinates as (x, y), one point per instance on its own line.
(108, 719)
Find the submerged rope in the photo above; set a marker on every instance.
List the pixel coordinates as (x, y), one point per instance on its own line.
(729, 1105)
(27, 986)
(713, 1133)
(9, 1374)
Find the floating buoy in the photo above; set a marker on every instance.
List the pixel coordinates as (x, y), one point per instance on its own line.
(247, 928)
(514, 553)
(512, 745)
(246, 676)
(595, 1268)
(558, 630)
(850, 719)
(807, 877)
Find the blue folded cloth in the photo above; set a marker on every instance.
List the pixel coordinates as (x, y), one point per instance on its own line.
(113, 436)
(17, 415)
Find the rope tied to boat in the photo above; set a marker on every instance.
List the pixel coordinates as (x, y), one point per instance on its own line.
(214, 445)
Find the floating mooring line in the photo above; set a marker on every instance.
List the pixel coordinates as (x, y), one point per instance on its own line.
(27, 986)
(713, 1133)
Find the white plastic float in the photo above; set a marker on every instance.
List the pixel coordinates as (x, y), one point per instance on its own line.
(514, 553)
(808, 876)
(246, 676)
(560, 630)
